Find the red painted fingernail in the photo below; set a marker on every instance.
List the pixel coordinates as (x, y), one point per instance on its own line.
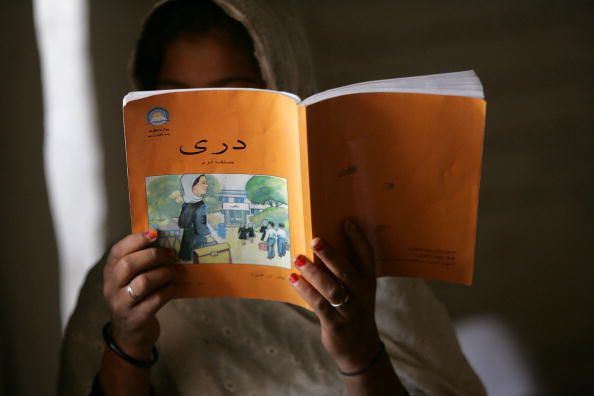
(318, 244)
(300, 261)
(293, 277)
(171, 253)
(151, 234)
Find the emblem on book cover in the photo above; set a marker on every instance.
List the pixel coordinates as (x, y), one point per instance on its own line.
(157, 116)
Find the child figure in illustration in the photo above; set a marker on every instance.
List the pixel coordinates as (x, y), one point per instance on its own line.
(270, 238)
(263, 229)
(192, 218)
(243, 234)
(281, 240)
(251, 233)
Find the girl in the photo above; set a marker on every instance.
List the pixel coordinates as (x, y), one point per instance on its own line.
(365, 337)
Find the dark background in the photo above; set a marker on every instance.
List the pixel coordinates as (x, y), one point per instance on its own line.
(534, 261)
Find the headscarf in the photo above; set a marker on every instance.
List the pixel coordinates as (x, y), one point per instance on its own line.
(187, 187)
(235, 346)
(279, 43)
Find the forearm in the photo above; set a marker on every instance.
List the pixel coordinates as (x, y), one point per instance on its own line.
(118, 377)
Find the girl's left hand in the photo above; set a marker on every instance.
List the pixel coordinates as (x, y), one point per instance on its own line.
(349, 331)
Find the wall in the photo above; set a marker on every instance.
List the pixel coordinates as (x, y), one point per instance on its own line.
(29, 298)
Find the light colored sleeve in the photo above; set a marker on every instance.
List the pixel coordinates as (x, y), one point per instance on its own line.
(420, 340)
(82, 345)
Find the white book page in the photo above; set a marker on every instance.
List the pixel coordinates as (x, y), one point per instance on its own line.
(145, 94)
(464, 83)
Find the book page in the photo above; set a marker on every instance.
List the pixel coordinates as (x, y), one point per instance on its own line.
(464, 83)
(217, 173)
(405, 166)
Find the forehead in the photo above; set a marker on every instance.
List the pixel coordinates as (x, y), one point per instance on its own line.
(206, 60)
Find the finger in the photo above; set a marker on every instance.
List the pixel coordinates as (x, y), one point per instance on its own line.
(152, 303)
(131, 265)
(338, 265)
(321, 280)
(361, 247)
(130, 244)
(146, 282)
(325, 312)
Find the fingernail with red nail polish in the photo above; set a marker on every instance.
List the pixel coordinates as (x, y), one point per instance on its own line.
(293, 277)
(319, 245)
(151, 234)
(171, 253)
(300, 261)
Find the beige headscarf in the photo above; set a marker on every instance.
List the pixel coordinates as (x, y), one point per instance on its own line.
(246, 347)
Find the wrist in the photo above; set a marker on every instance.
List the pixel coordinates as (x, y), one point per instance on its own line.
(136, 347)
(380, 354)
(359, 356)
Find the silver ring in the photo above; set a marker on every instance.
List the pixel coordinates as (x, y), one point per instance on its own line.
(343, 302)
(131, 292)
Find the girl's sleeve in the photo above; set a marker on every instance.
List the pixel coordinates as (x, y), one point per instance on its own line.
(420, 340)
(82, 345)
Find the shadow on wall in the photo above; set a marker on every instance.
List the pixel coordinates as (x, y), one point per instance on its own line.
(29, 274)
(110, 52)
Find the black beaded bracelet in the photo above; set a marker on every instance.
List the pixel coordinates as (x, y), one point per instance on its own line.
(378, 355)
(135, 362)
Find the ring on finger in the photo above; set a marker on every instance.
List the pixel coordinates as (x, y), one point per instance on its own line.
(345, 300)
(131, 293)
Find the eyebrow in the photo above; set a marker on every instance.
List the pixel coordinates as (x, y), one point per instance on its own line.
(223, 82)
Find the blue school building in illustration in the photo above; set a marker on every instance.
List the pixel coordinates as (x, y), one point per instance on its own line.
(237, 208)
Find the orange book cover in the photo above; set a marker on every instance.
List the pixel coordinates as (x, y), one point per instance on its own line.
(238, 181)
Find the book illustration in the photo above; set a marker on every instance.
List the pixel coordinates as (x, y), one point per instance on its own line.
(221, 218)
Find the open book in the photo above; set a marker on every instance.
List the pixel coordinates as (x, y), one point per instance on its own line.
(238, 181)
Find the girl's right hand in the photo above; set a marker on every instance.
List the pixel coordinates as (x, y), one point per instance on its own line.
(149, 272)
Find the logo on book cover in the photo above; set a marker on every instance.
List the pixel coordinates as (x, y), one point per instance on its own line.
(157, 116)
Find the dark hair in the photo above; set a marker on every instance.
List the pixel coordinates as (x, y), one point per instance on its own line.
(271, 223)
(175, 18)
(197, 180)
(281, 225)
